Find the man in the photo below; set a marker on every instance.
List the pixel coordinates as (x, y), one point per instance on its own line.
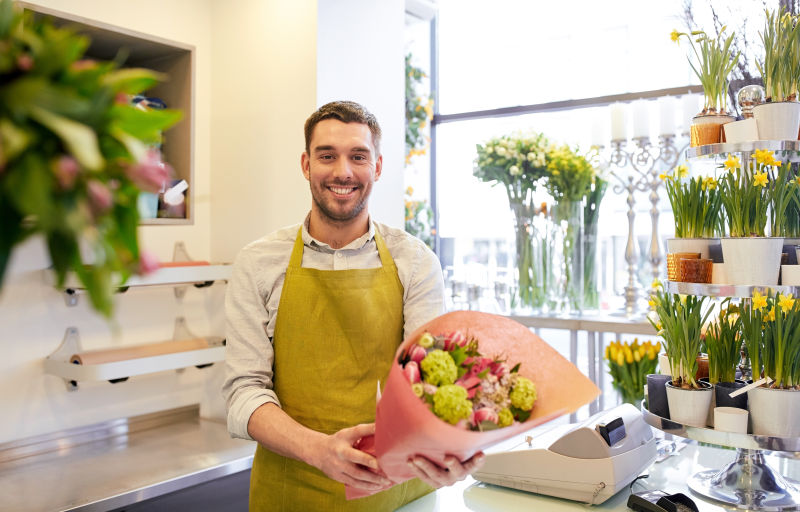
(315, 313)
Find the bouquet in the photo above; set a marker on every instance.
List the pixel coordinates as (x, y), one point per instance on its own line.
(406, 424)
(629, 364)
(463, 387)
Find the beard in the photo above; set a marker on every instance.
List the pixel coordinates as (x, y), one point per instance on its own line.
(338, 211)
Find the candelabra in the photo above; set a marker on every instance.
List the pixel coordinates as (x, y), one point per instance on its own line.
(638, 170)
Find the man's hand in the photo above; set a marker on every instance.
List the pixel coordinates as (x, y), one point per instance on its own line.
(437, 476)
(336, 457)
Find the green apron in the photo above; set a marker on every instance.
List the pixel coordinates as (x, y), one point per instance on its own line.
(335, 337)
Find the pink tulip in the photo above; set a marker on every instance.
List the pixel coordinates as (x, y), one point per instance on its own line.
(417, 354)
(25, 62)
(100, 197)
(498, 368)
(66, 170)
(470, 383)
(148, 263)
(150, 174)
(454, 339)
(479, 364)
(484, 414)
(411, 371)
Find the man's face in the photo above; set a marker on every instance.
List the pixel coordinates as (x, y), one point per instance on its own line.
(341, 168)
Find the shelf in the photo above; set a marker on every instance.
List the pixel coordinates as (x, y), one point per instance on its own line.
(168, 276)
(174, 59)
(727, 290)
(59, 362)
(710, 150)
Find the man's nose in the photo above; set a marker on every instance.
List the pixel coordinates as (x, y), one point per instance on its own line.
(342, 169)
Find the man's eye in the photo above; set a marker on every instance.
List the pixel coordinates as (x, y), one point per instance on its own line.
(326, 157)
(359, 157)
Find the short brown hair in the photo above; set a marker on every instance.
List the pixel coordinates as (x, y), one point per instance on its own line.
(346, 112)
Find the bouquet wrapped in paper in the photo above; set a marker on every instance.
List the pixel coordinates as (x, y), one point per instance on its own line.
(464, 382)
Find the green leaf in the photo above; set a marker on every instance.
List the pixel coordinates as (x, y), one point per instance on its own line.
(7, 18)
(30, 185)
(13, 140)
(136, 148)
(10, 234)
(459, 355)
(79, 139)
(132, 80)
(63, 251)
(144, 125)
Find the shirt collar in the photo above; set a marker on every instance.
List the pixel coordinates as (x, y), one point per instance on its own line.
(358, 243)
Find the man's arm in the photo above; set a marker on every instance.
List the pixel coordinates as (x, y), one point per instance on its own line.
(333, 454)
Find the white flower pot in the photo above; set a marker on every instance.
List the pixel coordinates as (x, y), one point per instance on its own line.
(752, 260)
(777, 121)
(718, 275)
(690, 405)
(790, 275)
(741, 131)
(690, 245)
(774, 412)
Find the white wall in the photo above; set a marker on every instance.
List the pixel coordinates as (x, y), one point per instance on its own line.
(360, 58)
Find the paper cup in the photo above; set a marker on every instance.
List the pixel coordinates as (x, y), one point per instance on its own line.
(730, 419)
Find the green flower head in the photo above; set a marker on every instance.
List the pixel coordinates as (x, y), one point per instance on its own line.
(523, 395)
(438, 368)
(505, 418)
(451, 404)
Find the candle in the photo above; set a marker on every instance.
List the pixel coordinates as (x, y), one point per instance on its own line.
(690, 108)
(641, 121)
(667, 107)
(599, 128)
(619, 128)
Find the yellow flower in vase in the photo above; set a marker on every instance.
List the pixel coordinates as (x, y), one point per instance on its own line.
(732, 163)
(759, 301)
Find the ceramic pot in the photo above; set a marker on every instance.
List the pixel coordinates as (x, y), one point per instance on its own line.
(778, 120)
(722, 390)
(790, 275)
(701, 245)
(718, 275)
(790, 249)
(707, 129)
(657, 394)
(752, 260)
(741, 131)
(774, 412)
(689, 406)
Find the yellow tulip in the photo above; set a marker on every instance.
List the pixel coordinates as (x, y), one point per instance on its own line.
(620, 358)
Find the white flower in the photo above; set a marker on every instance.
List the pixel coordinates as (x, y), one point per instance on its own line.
(531, 156)
(501, 151)
(514, 170)
(489, 149)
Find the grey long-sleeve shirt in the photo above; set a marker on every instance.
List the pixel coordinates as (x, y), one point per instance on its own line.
(254, 291)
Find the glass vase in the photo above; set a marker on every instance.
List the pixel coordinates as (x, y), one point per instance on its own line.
(567, 290)
(591, 295)
(529, 295)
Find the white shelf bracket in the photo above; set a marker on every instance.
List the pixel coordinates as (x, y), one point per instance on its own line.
(71, 344)
(179, 253)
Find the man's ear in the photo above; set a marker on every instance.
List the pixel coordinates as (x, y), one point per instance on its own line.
(378, 167)
(305, 165)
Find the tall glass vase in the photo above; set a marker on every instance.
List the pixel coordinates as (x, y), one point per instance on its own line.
(530, 295)
(567, 289)
(591, 296)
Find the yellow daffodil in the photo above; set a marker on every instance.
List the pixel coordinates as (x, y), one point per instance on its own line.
(656, 283)
(760, 179)
(709, 183)
(681, 171)
(786, 302)
(733, 162)
(663, 176)
(764, 157)
(674, 35)
(771, 315)
(797, 180)
(759, 301)
(652, 303)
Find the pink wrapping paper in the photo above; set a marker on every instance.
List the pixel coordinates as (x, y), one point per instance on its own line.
(404, 426)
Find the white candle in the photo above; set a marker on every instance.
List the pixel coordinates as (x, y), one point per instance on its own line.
(599, 128)
(690, 108)
(619, 128)
(667, 107)
(641, 119)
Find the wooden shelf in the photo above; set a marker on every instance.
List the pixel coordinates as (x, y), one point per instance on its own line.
(174, 59)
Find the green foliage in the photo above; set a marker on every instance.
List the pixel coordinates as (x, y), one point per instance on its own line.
(714, 61)
(419, 111)
(68, 143)
(419, 218)
(570, 175)
(723, 343)
(780, 68)
(696, 205)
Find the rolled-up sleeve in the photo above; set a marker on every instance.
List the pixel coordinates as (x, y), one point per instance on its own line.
(424, 290)
(249, 354)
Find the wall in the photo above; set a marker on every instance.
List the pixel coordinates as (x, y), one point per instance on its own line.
(360, 57)
(33, 316)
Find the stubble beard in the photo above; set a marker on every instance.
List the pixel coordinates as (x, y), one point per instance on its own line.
(329, 211)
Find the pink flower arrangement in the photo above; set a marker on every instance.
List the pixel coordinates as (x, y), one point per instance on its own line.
(463, 387)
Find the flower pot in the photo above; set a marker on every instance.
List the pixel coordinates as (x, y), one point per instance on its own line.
(774, 412)
(712, 404)
(779, 120)
(657, 394)
(700, 245)
(694, 270)
(707, 129)
(718, 275)
(752, 260)
(673, 260)
(722, 391)
(689, 406)
(790, 275)
(730, 419)
(663, 365)
(702, 368)
(715, 250)
(741, 131)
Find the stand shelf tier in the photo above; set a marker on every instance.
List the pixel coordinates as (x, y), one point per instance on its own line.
(727, 290)
(790, 148)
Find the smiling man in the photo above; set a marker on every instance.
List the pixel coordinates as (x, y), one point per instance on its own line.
(315, 313)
